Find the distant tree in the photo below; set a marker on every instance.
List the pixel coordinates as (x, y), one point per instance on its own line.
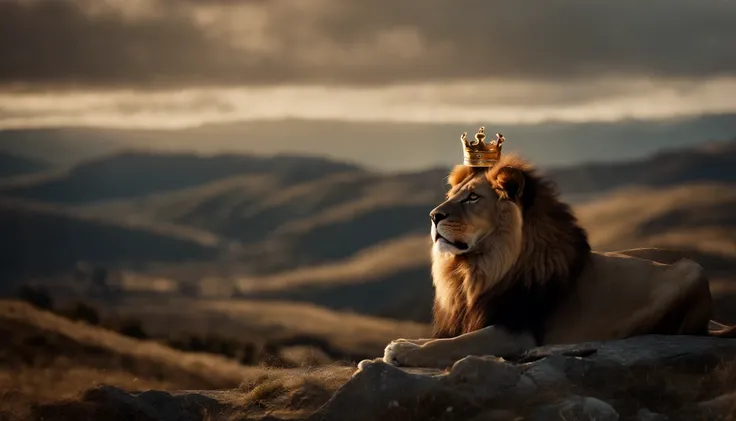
(83, 312)
(37, 296)
(248, 355)
(244, 352)
(128, 327)
(81, 271)
(189, 289)
(134, 329)
(99, 277)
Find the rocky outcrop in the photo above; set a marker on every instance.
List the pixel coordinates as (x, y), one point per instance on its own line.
(636, 378)
(643, 378)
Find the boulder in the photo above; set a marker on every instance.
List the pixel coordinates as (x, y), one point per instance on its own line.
(616, 377)
(581, 408)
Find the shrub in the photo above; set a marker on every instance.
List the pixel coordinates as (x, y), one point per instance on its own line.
(128, 327)
(36, 296)
(83, 312)
(243, 352)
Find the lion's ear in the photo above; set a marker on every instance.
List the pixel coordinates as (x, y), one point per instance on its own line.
(511, 181)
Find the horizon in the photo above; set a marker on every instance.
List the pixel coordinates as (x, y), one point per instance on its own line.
(383, 147)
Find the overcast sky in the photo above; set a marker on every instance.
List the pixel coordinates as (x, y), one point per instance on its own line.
(180, 63)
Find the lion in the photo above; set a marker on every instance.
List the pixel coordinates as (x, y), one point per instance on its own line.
(512, 270)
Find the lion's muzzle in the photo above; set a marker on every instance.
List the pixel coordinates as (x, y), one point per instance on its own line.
(442, 237)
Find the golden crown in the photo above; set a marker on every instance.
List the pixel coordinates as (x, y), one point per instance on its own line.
(478, 153)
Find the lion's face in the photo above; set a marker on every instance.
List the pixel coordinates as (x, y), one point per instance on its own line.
(477, 205)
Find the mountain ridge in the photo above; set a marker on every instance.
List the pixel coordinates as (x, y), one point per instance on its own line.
(380, 146)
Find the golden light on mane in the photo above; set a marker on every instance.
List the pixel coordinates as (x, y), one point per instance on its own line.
(537, 248)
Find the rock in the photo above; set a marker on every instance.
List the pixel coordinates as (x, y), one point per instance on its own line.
(543, 376)
(550, 375)
(647, 415)
(497, 415)
(578, 408)
(724, 404)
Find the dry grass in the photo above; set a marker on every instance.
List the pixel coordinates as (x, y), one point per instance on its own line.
(255, 320)
(57, 363)
(25, 317)
(46, 358)
(294, 393)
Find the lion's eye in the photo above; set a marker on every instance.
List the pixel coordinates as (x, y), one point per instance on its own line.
(472, 197)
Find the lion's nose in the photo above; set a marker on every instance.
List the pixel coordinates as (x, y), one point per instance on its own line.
(437, 216)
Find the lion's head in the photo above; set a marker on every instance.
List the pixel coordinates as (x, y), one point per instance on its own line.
(500, 229)
(482, 208)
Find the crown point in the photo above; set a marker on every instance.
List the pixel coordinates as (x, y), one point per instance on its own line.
(481, 135)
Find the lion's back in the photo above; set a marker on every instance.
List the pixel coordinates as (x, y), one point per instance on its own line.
(621, 294)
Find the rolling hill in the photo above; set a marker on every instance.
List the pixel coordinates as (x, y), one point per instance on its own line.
(316, 231)
(709, 162)
(15, 165)
(393, 279)
(697, 215)
(250, 209)
(39, 240)
(133, 174)
(339, 214)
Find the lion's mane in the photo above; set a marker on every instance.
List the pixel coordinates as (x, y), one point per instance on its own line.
(554, 252)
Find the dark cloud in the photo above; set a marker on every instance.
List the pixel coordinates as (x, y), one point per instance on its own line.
(197, 43)
(56, 42)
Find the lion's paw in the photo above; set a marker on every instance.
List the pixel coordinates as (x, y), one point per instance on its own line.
(365, 363)
(398, 352)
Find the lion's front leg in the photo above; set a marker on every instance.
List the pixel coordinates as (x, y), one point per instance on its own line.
(420, 341)
(442, 353)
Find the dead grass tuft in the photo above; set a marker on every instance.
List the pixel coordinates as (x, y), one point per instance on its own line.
(263, 394)
(295, 392)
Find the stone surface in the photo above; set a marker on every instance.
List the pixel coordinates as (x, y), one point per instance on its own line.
(475, 384)
(579, 408)
(647, 415)
(594, 380)
(713, 408)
